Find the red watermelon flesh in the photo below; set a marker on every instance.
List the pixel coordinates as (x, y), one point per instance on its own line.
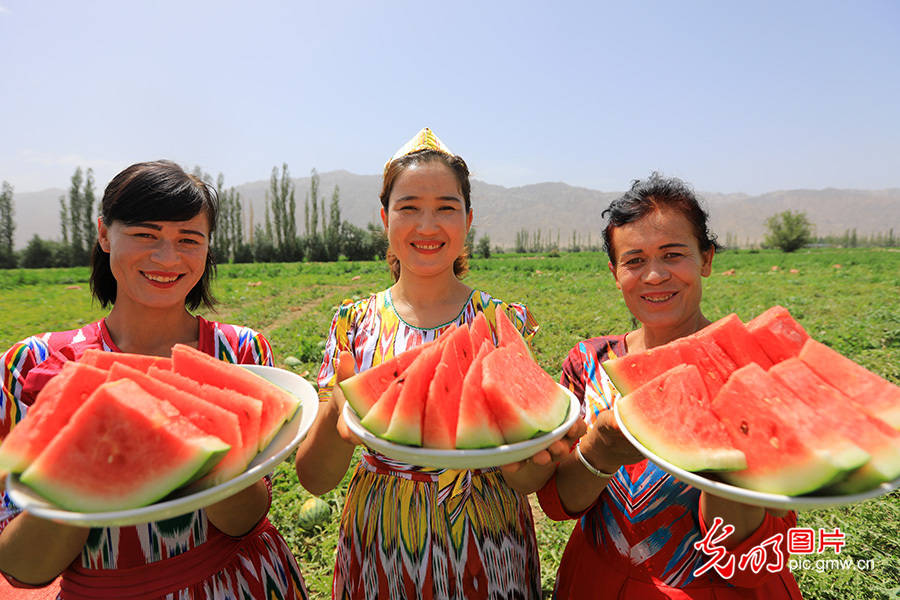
(278, 406)
(631, 371)
(732, 336)
(206, 416)
(712, 362)
(480, 330)
(51, 411)
(364, 389)
(476, 427)
(522, 397)
(778, 334)
(508, 335)
(378, 419)
(442, 403)
(783, 455)
(406, 420)
(837, 412)
(670, 415)
(878, 397)
(141, 362)
(119, 451)
(248, 410)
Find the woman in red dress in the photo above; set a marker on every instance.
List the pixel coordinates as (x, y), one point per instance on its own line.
(152, 264)
(637, 525)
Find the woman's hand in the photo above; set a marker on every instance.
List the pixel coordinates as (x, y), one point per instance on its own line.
(324, 456)
(605, 447)
(39, 563)
(531, 474)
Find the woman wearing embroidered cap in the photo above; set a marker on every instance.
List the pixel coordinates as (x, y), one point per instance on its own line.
(637, 526)
(409, 531)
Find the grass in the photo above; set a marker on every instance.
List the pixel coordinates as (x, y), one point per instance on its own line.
(853, 308)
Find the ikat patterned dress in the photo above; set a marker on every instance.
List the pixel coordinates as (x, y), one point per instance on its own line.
(414, 532)
(182, 558)
(638, 537)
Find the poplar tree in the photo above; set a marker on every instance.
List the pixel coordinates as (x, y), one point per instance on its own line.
(7, 226)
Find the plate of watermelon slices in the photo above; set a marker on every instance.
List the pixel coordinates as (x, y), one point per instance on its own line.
(182, 501)
(477, 458)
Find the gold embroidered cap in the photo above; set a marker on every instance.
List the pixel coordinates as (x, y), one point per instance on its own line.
(423, 140)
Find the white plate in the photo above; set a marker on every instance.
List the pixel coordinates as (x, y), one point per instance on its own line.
(739, 494)
(481, 458)
(288, 437)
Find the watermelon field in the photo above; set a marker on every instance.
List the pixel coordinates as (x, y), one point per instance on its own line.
(846, 298)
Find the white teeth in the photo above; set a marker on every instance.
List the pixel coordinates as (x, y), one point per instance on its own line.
(658, 298)
(427, 246)
(160, 279)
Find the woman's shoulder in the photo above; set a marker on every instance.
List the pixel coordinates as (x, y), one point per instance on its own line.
(521, 316)
(597, 349)
(234, 343)
(70, 342)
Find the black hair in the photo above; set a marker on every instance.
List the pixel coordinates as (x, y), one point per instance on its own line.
(652, 194)
(154, 191)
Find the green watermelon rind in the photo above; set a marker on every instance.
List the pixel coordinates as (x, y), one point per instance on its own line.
(690, 459)
(817, 472)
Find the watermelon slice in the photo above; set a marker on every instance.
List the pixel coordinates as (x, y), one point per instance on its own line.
(878, 397)
(731, 334)
(631, 371)
(442, 403)
(785, 455)
(480, 331)
(508, 335)
(248, 410)
(777, 333)
(119, 451)
(406, 420)
(836, 412)
(363, 389)
(141, 362)
(378, 419)
(476, 426)
(51, 411)
(278, 406)
(670, 415)
(206, 416)
(523, 399)
(715, 366)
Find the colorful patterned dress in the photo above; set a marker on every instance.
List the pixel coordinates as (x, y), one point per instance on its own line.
(182, 558)
(415, 532)
(637, 539)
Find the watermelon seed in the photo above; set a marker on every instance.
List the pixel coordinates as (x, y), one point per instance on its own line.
(745, 428)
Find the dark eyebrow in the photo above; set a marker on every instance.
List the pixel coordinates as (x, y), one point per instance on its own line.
(640, 250)
(445, 198)
(156, 227)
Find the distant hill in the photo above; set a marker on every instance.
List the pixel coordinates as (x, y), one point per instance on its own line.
(553, 208)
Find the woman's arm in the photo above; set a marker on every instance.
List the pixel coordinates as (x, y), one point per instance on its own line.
(744, 517)
(324, 456)
(238, 514)
(33, 562)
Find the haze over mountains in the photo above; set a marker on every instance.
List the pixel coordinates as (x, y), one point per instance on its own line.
(554, 208)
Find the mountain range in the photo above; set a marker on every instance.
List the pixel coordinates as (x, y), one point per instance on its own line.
(555, 209)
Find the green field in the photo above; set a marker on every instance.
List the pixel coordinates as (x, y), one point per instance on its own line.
(848, 298)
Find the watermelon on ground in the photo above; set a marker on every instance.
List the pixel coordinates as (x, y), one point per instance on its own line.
(670, 415)
(406, 420)
(784, 456)
(51, 411)
(524, 400)
(206, 416)
(836, 412)
(777, 333)
(363, 389)
(118, 451)
(732, 336)
(476, 426)
(278, 405)
(442, 403)
(633, 370)
(141, 362)
(247, 409)
(875, 395)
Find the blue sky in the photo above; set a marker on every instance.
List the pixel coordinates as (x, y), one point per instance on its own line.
(731, 96)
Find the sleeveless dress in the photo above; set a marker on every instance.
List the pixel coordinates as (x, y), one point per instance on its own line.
(182, 558)
(638, 537)
(414, 532)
